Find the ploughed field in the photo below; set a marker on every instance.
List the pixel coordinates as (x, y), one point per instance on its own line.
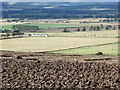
(43, 70)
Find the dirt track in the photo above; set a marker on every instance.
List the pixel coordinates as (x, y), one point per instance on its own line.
(42, 70)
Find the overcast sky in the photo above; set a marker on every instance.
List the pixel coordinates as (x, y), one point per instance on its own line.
(60, 0)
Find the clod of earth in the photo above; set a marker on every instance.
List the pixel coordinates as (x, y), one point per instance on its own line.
(53, 74)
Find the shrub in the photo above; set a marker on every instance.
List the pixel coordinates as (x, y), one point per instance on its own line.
(99, 53)
(118, 54)
(65, 30)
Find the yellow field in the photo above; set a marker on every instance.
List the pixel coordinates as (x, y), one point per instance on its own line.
(9, 23)
(107, 33)
(40, 44)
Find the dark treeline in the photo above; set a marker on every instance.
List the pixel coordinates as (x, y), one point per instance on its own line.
(25, 27)
(17, 30)
(8, 33)
(94, 28)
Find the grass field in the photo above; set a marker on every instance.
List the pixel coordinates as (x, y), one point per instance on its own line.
(107, 49)
(7, 25)
(45, 25)
(41, 44)
(51, 25)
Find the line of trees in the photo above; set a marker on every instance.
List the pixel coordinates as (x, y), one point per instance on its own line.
(98, 28)
(95, 28)
(102, 27)
(25, 27)
(7, 33)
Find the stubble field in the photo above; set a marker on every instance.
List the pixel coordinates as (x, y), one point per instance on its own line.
(43, 44)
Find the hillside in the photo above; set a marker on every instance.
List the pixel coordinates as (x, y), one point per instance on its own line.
(50, 10)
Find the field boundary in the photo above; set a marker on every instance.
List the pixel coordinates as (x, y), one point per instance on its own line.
(82, 47)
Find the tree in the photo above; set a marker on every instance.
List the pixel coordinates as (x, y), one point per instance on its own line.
(101, 26)
(84, 29)
(8, 21)
(5, 33)
(65, 30)
(17, 32)
(25, 27)
(94, 28)
(91, 28)
(99, 53)
(108, 27)
(97, 28)
(78, 29)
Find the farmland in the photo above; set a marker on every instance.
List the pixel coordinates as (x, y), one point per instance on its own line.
(72, 41)
(42, 70)
(45, 26)
(37, 44)
(88, 34)
(59, 45)
(108, 49)
(56, 23)
(89, 42)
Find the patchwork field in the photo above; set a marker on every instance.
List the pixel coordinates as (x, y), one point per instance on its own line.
(5, 25)
(42, 44)
(88, 42)
(47, 25)
(59, 45)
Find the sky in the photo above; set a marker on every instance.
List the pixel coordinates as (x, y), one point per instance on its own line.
(59, 0)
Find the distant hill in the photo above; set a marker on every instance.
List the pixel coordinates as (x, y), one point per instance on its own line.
(50, 10)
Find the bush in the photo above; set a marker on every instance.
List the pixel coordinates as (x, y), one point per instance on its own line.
(99, 53)
(65, 30)
(118, 54)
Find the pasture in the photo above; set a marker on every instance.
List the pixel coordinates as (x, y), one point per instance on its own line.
(7, 25)
(43, 44)
(46, 25)
(107, 49)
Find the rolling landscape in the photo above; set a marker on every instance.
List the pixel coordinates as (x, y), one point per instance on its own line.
(60, 45)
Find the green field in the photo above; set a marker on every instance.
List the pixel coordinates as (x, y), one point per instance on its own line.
(108, 49)
(49, 25)
(45, 25)
(6, 27)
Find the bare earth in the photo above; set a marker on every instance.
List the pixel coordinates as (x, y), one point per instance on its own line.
(56, 71)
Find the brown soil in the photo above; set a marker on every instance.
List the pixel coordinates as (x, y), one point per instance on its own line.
(56, 71)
